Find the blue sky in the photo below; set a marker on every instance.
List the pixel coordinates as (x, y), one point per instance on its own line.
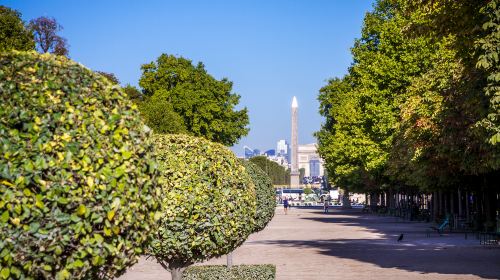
(271, 50)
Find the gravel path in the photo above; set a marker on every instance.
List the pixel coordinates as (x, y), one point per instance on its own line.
(347, 244)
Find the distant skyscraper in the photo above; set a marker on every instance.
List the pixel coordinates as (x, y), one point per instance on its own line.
(270, 153)
(283, 149)
(294, 173)
(248, 152)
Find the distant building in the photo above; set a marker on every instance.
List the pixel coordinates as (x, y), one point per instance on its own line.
(283, 149)
(248, 152)
(310, 160)
(315, 167)
(270, 153)
(281, 160)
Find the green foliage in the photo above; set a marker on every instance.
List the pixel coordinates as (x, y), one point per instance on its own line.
(278, 174)
(208, 201)
(490, 62)
(302, 173)
(413, 109)
(206, 105)
(13, 33)
(110, 76)
(76, 176)
(239, 272)
(264, 193)
(159, 114)
(308, 191)
(133, 93)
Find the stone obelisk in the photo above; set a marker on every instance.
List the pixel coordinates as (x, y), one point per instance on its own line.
(294, 172)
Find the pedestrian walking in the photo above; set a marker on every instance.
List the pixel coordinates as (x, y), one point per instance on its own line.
(285, 204)
(325, 206)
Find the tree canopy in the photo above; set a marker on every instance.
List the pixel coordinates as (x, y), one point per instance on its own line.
(46, 38)
(278, 174)
(419, 105)
(205, 104)
(208, 202)
(13, 32)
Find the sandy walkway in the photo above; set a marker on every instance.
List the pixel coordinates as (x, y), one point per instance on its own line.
(346, 244)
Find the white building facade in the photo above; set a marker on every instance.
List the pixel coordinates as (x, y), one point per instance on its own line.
(309, 160)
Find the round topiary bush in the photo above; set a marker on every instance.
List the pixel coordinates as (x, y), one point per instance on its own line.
(77, 181)
(208, 202)
(265, 195)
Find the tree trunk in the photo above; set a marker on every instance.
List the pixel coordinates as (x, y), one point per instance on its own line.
(435, 205)
(460, 209)
(467, 207)
(346, 202)
(176, 273)
(229, 258)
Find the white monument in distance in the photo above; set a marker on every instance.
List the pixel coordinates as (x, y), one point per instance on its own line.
(294, 173)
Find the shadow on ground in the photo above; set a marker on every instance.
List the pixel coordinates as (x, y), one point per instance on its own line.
(444, 255)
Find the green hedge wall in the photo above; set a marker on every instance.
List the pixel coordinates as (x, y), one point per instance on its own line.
(238, 272)
(265, 194)
(77, 191)
(208, 201)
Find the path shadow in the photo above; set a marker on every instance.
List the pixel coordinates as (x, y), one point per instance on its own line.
(417, 253)
(481, 262)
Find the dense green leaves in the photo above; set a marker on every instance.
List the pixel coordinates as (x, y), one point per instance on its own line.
(278, 174)
(489, 61)
(208, 201)
(76, 177)
(238, 272)
(13, 34)
(264, 193)
(418, 106)
(160, 115)
(205, 104)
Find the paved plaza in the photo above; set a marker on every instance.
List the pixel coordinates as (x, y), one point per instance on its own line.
(347, 244)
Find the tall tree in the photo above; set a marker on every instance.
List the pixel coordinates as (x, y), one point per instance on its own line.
(205, 104)
(45, 31)
(419, 107)
(110, 76)
(13, 32)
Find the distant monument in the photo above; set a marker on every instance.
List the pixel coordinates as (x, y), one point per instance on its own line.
(294, 173)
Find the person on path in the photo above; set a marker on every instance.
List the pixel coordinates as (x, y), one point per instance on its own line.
(285, 204)
(325, 205)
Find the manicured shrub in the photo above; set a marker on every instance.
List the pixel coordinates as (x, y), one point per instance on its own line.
(264, 193)
(238, 272)
(208, 202)
(77, 191)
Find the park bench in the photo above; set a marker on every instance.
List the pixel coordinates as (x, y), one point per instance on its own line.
(441, 227)
(489, 238)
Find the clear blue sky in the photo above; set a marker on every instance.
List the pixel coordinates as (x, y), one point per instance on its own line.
(271, 50)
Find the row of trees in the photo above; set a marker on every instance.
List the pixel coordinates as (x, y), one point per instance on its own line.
(418, 111)
(278, 174)
(40, 33)
(175, 96)
(86, 188)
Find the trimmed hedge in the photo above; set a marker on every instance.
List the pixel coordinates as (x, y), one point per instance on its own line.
(238, 272)
(208, 201)
(265, 194)
(76, 178)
